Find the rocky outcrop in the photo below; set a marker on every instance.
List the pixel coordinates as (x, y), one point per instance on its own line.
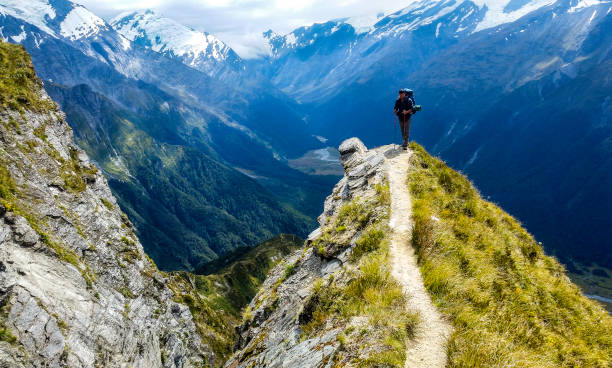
(273, 334)
(76, 288)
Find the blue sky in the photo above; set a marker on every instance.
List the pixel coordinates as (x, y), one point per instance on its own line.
(241, 22)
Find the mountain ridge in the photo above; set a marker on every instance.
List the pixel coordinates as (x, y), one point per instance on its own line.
(199, 50)
(506, 301)
(499, 104)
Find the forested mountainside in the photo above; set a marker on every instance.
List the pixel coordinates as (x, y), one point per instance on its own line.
(188, 206)
(76, 287)
(138, 114)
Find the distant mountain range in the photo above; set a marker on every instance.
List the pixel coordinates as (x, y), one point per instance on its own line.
(175, 142)
(515, 93)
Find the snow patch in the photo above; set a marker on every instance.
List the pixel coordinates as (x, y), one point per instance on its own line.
(20, 37)
(363, 24)
(290, 40)
(586, 4)
(495, 14)
(80, 23)
(125, 43)
(167, 35)
(34, 12)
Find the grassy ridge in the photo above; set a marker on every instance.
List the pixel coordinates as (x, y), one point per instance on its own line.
(19, 86)
(365, 291)
(510, 304)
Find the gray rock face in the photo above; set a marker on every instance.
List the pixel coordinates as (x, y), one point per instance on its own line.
(76, 289)
(272, 337)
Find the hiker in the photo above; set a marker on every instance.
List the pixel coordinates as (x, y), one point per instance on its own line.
(404, 109)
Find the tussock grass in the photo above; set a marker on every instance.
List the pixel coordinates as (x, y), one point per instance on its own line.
(7, 184)
(365, 292)
(510, 304)
(19, 86)
(371, 293)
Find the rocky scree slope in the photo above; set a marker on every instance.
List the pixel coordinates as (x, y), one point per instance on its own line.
(335, 302)
(76, 288)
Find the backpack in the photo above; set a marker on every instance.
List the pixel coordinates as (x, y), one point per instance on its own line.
(410, 95)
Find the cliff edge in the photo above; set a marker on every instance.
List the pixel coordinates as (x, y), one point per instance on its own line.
(76, 288)
(410, 267)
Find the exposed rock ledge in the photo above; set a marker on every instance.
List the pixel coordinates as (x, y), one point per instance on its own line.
(76, 288)
(273, 337)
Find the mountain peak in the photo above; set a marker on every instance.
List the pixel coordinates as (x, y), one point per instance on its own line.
(80, 23)
(167, 36)
(59, 18)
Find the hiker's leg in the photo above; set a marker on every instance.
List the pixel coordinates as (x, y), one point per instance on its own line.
(404, 136)
(408, 129)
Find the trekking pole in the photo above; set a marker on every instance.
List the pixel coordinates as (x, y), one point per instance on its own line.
(395, 135)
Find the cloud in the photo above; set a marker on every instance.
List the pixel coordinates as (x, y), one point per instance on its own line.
(240, 23)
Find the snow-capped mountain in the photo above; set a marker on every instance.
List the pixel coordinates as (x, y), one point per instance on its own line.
(516, 93)
(111, 87)
(477, 15)
(199, 50)
(59, 19)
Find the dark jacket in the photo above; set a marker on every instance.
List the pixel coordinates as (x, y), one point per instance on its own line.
(403, 105)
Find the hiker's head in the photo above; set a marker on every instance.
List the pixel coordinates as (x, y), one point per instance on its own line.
(402, 93)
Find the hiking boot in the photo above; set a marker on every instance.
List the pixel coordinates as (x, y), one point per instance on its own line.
(405, 148)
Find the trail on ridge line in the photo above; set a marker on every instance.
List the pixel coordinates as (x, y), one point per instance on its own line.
(428, 348)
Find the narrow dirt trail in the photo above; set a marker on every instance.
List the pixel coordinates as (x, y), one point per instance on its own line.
(428, 349)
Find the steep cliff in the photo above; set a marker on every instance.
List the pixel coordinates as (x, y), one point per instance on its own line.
(335, 302)
(411, 268)
(76, 288)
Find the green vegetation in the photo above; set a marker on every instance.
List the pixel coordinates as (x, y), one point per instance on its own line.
(215, 326)
(372, 293)
(5, 331)
(289, 270)
(40, 132)
(217, 299)
(126, 311)
(237, 279)
(7, 184)
(107, 204)
(508, 302)
(367, 291)
(19, 87)
(71, 171)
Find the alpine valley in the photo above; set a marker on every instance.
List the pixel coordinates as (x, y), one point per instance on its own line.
(156, 188)
(199, 166)
(514, 93)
